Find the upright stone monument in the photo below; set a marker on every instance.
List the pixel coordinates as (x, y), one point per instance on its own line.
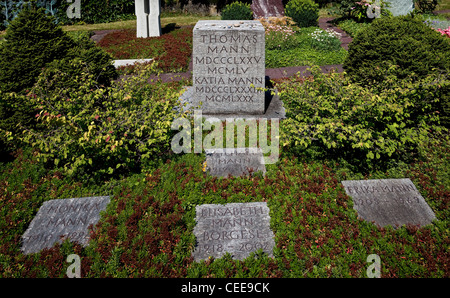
(148, 22)
(58, 220)
(394, 202)
(229, 66)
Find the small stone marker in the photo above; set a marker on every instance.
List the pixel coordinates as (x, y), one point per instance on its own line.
(229, 66)
(234, 161)
(58, 220)
(237, 228)
(394, 202)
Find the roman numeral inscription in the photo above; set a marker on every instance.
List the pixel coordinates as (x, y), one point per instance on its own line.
(229, 67)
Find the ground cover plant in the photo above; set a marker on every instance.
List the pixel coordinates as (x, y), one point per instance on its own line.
(172, 50)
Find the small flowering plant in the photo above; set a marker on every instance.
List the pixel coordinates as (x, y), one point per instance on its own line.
(279, 37)
(326, 40)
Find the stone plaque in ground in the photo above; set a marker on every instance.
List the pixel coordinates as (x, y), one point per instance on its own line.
(394, 202)
(237, 228)
(234, 161)
(229, 66)
(58, 220)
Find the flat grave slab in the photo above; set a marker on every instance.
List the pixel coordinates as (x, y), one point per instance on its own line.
(394, 202)
(234, 161)
(237, 228)
(62, 219)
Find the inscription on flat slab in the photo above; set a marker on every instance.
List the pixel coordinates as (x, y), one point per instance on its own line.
(234, 161)
(229, 66)
(394, 202)
(58, 220)
(237, 228)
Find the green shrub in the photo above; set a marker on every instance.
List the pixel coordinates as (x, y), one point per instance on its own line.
(237, 11)
(404, 41)
(367, 125)
(32, 41)
(97, 131)
(425, 6)
(304, 12)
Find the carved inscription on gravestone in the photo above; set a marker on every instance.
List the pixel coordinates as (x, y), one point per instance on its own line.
(237, 228)
(234, 161)
(229, 66)
(394, 202)
(58, 220)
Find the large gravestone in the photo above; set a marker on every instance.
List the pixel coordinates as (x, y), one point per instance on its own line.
(237, 228)
(234, 161)
(267, 8)
(394, 202)
(229, 67)
(400, 7)
(58, 220)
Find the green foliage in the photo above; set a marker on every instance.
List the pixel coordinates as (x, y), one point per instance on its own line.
(93, 11)
(425, 6)
(404, 41)
(325, 40)
(237, 11)
(98, 61)
(352, 27)
(147, 229)
(367, 125)
(32, 41)
(304, 12)
(97, 131)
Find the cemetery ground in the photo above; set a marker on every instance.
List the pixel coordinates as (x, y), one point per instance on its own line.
(147, 228)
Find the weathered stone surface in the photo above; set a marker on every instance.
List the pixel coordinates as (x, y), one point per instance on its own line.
(58, 220)
(267, 8)
(394, 202)
(229, 66)
(234, 161)
(237, 228)
(400, 7)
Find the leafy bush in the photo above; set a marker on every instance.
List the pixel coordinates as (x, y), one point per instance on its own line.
(172, 50)
(364, 124)
(99, 131)
(304, 12)
(352, 27)
(32, 41)
(425, 6)
(404, 41)
(237, 11)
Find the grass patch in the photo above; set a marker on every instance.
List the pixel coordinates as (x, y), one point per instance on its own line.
(303, 53)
